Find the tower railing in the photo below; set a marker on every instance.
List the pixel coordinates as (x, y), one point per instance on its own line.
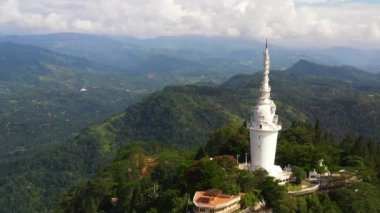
(275, 119)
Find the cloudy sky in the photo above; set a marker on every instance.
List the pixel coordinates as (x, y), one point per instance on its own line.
(306, 22)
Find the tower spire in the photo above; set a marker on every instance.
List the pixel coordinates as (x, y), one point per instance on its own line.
(265, 88)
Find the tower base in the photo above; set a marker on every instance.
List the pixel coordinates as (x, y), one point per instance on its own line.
(275, 171)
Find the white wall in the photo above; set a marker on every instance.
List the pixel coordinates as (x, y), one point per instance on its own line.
(263, 148)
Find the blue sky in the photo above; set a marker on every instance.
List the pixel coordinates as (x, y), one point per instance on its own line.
(291, 22)
(368, 1)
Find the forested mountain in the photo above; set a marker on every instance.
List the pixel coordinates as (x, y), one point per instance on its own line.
(133, 55)
(27, 61)
(165, 64)
(344, 73)
(185, 115)
(96, 48)
(47, 97)
(344, 98)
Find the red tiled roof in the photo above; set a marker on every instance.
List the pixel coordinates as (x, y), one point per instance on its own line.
(213, 192)
(214, 198)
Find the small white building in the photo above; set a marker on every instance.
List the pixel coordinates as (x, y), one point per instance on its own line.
(314, 176)
(214, 200)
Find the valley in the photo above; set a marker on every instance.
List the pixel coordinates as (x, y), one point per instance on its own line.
(66, 117)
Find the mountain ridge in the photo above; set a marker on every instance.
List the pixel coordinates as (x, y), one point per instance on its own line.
(14, 54)
(132, 51)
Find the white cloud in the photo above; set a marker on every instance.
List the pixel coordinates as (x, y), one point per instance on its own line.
(233, 32)
(319, 1)
(280, 20)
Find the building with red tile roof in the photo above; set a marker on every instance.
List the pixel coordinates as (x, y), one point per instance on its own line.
(214, 200)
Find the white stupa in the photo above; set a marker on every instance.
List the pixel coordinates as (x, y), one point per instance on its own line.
(264, 127)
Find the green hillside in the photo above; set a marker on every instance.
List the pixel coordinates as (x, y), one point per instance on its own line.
(152, 177)
(185, 115)
(41, 97)
(47, 97)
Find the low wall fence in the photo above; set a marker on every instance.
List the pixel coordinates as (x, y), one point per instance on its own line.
(305, 191)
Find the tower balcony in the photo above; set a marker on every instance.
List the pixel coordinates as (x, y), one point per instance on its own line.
(264, 126)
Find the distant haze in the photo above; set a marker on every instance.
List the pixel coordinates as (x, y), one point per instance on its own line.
(321, 23)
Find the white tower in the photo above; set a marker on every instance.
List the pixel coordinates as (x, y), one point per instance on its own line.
(264, 127)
